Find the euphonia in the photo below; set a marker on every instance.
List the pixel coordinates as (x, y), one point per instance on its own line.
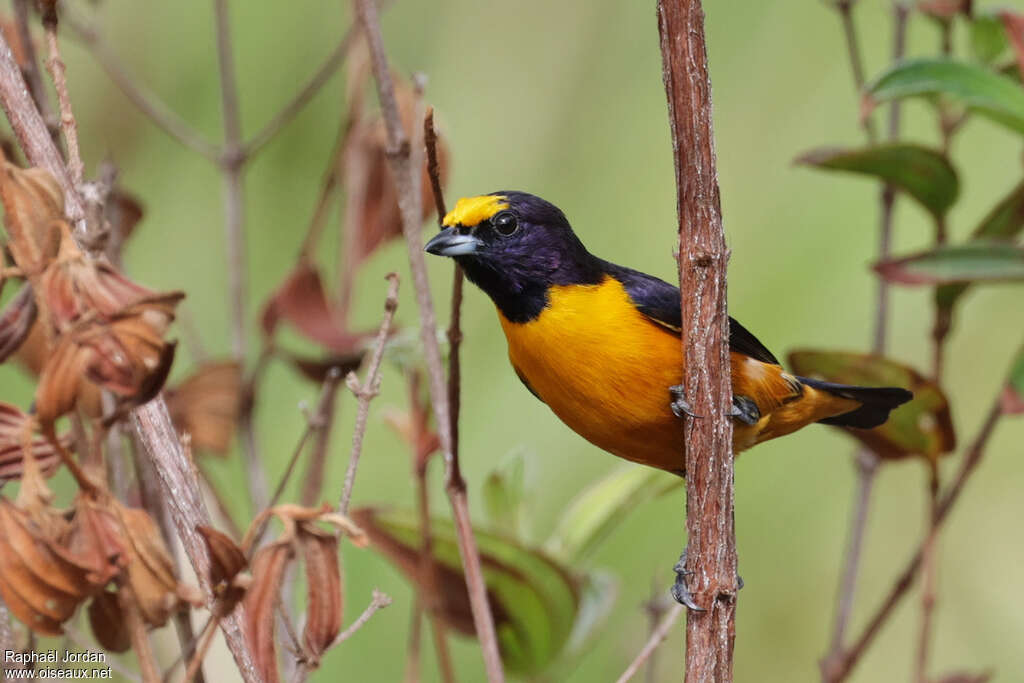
(600, 344)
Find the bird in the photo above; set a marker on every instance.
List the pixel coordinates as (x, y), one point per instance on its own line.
(599, 343)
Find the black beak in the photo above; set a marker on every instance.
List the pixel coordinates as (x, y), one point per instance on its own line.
(449, 242)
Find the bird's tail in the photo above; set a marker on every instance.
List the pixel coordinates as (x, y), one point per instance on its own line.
(876, 403)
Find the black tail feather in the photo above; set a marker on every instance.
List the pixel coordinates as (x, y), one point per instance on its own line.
(877, 403)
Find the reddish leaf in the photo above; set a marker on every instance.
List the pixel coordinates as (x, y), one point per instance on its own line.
(323, 586)
(316, 369)
(1013, 23)
(16, 322)
(302, 301)
(1013, 394)
(268, 568)
(206, 405)
(108, 623)
(944, 9)
(226, 561)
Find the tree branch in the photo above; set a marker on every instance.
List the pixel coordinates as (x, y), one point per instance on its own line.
(711, 561)
(658, 636)
(407, 176)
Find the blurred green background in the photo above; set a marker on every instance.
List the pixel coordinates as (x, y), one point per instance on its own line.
(565, 100)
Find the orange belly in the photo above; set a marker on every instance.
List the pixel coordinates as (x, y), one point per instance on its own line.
(605, 371)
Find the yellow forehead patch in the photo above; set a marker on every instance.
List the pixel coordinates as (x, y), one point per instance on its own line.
(470, 211)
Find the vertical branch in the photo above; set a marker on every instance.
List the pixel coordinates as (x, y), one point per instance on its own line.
(407, 175)
(231, 167)
(867, 461)
(711, 561)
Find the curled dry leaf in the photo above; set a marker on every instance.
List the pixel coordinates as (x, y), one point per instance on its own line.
(123, 211)
(16, 435)
(323, 588)
(34, 206)
(16, 322)
(108, 623)
(41, 580)
(317, 369)
(226, 563)
(1013, 24)
(127, 356)
(206, 405)
(268, 568)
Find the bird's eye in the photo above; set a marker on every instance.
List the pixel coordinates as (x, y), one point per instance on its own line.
(505, 223)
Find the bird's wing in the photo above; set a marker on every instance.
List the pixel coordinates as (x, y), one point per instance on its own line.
(659, 301)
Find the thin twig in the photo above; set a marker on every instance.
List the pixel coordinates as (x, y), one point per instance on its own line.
(146, 102)
(31, 67)
(55, 66)
(7, 642)
(415, 646)
(845, 9)
(32, 133)
(838, 668)
(378, 602)
(316, 422)
(302, 98)
(407, 176)
(928, 570)
(867, 462)
(367, 390)
(139, 637)
(198, 653)
(658, 636)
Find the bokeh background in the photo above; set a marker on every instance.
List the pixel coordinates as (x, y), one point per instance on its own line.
(565, 100)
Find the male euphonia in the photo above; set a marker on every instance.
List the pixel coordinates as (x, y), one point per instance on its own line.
(599, 343)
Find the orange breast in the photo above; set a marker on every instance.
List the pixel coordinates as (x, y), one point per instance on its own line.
(605, 370)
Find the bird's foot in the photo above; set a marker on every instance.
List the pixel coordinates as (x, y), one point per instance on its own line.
(745, 410)
(679, 405)
(681, 590)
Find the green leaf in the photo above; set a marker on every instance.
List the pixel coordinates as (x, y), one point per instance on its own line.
(924, 174)
(979, 261)
(596, 511)
(535, 600)
(980, 90)
(1013, 395)
(921, 427)
(1004, 222)
(503, 493)
(988, 39)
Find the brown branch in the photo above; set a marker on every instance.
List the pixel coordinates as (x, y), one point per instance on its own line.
(929, 570)
(703, 256)
(7, 642)
(146, 102)
(367, 390)
(839, 667)
(380, 601)
(139, 637)
(31, 69)
(31, 131)
(845, 9)
(55, 66)
(404, 162)
(658, 636)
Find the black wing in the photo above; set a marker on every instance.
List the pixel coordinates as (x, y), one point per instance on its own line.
(659, 301)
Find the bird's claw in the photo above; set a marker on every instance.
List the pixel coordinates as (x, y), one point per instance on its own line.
(680, 590)
(680, 407)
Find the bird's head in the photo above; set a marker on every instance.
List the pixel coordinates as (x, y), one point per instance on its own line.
(514, 246)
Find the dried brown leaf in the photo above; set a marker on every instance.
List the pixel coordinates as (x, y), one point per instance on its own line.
(108, 622)
(324, 590)
(226, 562)
(40, 580)
(16, 322)
(206, 405)
(944, 9)
(964, 677)
(150, 568)
(34, 215)
(302, 301)
(317, 369)
(1013, 24)
(268, 568)
(123, 212)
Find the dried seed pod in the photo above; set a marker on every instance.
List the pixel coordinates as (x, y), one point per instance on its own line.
(268, 568)
(108, 623)
(324, 590)
(227, 561)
